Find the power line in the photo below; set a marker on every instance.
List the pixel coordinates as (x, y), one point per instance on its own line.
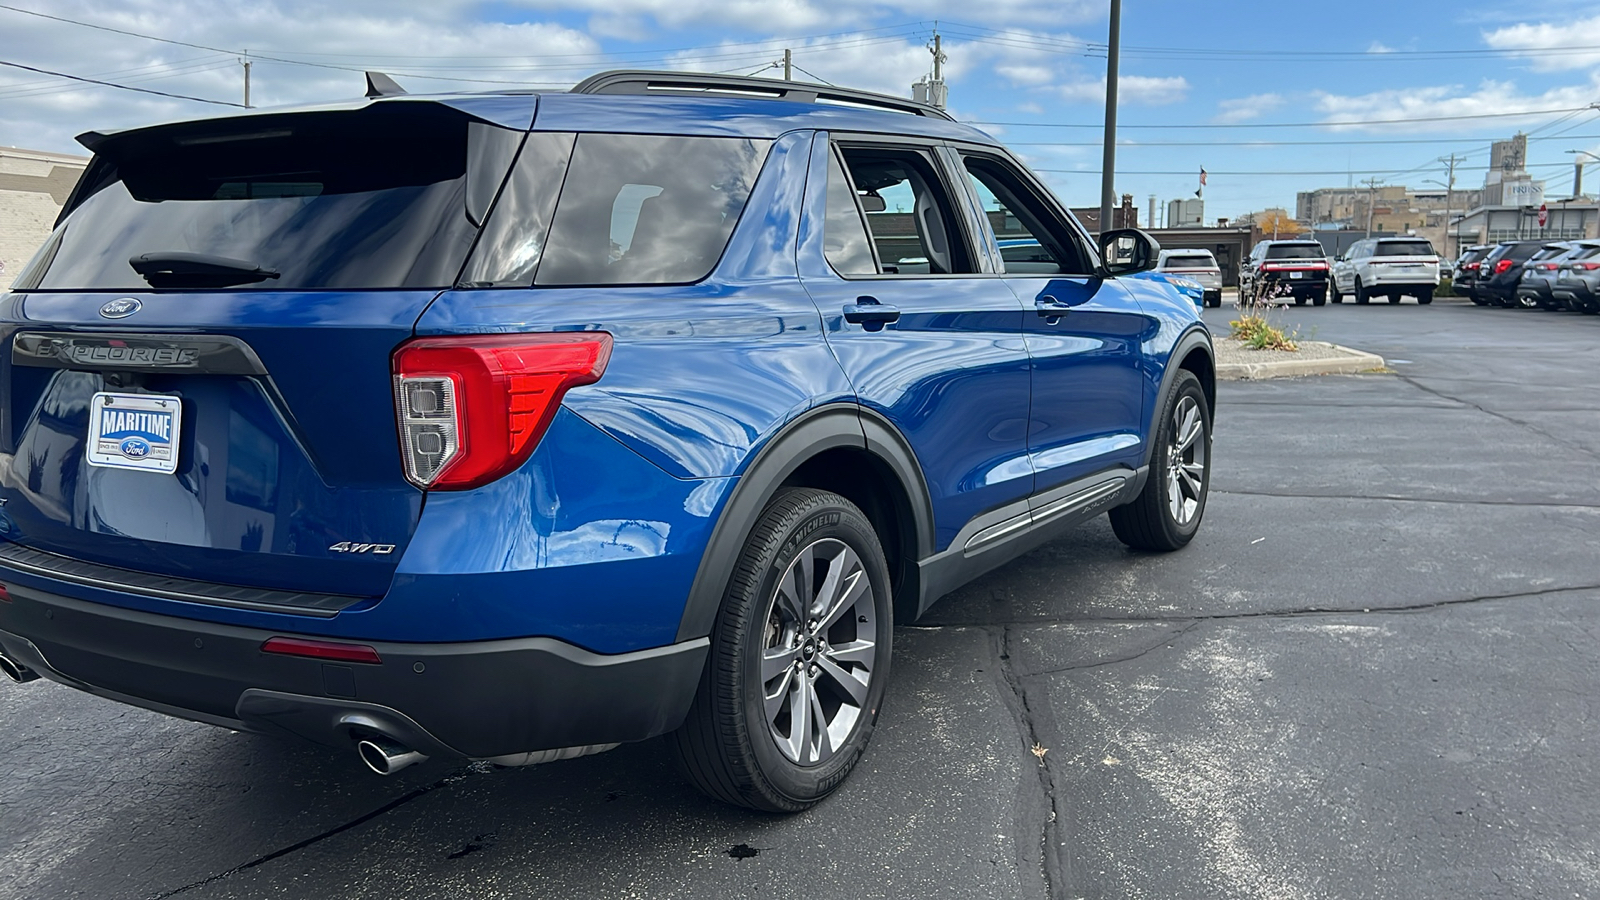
(124, 87)
(1096, 172)
(1329, 124)
(1269, 144)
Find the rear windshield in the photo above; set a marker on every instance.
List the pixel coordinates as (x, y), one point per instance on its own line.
(1404, 248)
(1190, 261)
(1587, 253)
(1475, 255)
(1295, 251)
(376, 198)
(1549, 253)
(1517, 251)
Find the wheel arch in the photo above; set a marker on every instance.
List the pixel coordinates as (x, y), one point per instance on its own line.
(841, 448)
(1192, 353)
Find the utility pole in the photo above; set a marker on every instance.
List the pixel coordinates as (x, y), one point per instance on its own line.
(1108, 167)
(246, 64)
(1372, 186)
(931, 88)
(1449, 194)
(788, 65)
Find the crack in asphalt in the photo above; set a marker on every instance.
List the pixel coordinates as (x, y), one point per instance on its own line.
(1049, 828)
(1501, 416)
(1382, 497)
(392, 805)
(1299, 612)
(1165, 640)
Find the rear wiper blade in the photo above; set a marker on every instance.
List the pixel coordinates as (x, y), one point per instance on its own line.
(181, 269)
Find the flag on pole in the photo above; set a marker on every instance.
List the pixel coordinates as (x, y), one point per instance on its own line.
(1202, 177)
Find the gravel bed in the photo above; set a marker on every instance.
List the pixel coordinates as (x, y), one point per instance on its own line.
(1230, 350)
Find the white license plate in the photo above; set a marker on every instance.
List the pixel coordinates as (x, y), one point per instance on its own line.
(1297, 274)
(135, 431)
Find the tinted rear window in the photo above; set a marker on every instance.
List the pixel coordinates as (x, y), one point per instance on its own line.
(1518, 251)
(1404, 248)
(646, 209)
(371, 199)
(1549, 253)
(1295, 251)
(1189, 261)
(1589, 253)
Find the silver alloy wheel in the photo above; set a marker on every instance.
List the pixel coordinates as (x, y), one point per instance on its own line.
(818, 652)
(1186, 461)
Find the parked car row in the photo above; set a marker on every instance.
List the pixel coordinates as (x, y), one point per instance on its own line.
(1552, 275)
(1392, 268)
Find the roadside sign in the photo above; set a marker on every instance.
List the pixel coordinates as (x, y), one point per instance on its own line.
(1544, 215)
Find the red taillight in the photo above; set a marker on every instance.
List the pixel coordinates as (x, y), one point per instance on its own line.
(320, 650)
(5, 595)
(1585, 266)
(472, 408)
(1547, 267)
(1471, 267)
(1503, 265)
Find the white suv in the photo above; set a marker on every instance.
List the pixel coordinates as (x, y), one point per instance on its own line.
(1198, 266)
(1394, 267)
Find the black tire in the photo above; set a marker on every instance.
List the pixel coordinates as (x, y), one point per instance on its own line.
(727, 747)
(1148, 522)
(1333, 292)
(1299, 299)
(1361, 293)
(1394, 298)
(1319, 299)
(1425, 297)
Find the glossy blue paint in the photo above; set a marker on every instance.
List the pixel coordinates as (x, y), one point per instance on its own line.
(951, 374)
(272, 471)
(1189, 290)
(1088, 410)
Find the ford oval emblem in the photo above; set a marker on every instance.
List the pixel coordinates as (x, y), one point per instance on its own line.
(121, 308)
(135, 448)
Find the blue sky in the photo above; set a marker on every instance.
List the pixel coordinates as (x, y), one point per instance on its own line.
(1209, 85)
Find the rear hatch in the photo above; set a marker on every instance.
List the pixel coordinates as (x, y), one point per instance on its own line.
(196, 366)
(1296, 262)
(1405, 259)
(1200, 267)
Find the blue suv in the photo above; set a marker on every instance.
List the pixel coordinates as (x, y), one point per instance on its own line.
(516, 426)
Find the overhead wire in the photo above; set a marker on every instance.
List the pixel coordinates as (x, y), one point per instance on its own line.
(113, 84)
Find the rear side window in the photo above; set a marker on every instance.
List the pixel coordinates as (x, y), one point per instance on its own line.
(1295, 251)
(908, 213)
(844, 234)
(1404, 248)
(646, 209)
(378, 198)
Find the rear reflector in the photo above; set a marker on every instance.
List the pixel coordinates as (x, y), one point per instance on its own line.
(5, 595)
(472, 408)
(283, 646)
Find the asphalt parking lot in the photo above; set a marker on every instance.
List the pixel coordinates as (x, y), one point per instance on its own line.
(1376, 673)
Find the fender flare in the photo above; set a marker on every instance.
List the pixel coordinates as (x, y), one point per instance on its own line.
(1195, 337)
(813, 432)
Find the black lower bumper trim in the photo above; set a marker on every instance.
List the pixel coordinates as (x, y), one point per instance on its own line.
(479, 699)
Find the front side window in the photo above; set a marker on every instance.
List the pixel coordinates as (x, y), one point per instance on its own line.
(909, 215)
(1032, 241)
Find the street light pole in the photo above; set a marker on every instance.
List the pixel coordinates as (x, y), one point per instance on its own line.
(1108, 166)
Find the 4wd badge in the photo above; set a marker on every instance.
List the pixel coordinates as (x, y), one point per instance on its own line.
(374, 549)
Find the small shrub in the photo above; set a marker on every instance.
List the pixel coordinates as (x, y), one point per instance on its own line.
(1256, 331)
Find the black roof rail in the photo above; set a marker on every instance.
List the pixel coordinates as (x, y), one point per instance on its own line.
(643, 82)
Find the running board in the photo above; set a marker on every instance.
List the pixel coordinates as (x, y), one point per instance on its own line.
(1043, 515)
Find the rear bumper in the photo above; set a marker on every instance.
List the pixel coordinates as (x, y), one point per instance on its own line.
(478, 700)
(1573, 289)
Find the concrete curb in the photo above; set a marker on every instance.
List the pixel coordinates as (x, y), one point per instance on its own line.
(1348, 362)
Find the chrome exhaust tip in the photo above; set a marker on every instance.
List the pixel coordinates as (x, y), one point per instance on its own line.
(385, 756)
(16, 671)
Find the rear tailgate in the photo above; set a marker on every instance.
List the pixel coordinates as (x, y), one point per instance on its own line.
(196, 369)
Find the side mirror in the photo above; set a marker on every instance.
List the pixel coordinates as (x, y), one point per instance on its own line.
(1124, 251)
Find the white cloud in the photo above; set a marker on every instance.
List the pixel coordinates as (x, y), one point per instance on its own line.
(1243, 109)
(779, 16)
(1500, 97)
(408, 41)
(1568, 44)
(1131, 89)
(1379, 47)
